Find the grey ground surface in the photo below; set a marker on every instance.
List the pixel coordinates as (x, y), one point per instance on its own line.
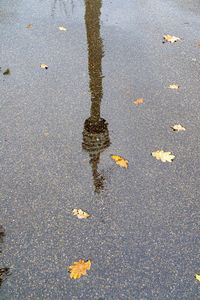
(144, 234)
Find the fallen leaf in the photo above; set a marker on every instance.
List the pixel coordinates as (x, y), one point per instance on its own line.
(79, 268)
(62, 28)
(178, 127)
(163, 156)
(120, 161)
(7, 72)
(196, 44)
(174, 86)
(44, 66)
(80, 213)
(29, 26)
(170, 38)
(138, 101)
(197, 276)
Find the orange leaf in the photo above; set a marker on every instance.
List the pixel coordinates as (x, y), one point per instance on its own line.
(79, 268)
(138, 101)
(196, 44)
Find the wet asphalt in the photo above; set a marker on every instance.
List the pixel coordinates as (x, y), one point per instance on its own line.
(143, 237)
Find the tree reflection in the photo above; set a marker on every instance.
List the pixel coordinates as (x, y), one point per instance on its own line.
(4, 272)
(95, 134)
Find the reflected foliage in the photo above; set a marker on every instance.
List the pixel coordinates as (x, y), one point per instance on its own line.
(4, 272)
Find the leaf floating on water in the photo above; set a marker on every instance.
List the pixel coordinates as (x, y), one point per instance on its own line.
(7, 72)
(178, 127)
(120, 161)
(163, 156)
(29, 26)
(197, 276)
(80, 213)
(170, 38)
(138, 101)
(62, 28)
(174, 86)
(44, 66)
(79, 268)
(196, 44)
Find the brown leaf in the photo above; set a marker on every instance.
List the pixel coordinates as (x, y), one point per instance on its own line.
(79, 268)
(120, 161)
(80, 213)
(7, 72)
(138, 101)
(196, 44)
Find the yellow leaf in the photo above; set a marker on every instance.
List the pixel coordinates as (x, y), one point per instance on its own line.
(44, 66)
(197, 276)
(178, 127)
(174, 86)
(163, 156)
(170, 38)
(120, 161)
(138, 101)
(80, 213)
(62, 28)
(29, 26)
(79, 268)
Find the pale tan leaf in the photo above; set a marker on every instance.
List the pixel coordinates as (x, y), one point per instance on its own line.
(196, 44)
(62, 28)
(80, 213)
(120, 161)
(44, 66)
(178, 127)
(163, 156)
(174, 86)
(29, 26)
(79, 268)
(138, 101)
(170, 38)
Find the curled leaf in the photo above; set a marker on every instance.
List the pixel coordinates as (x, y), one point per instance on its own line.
(44, 66)
(174, 86)
(120, 161)
(178, 127)
(170, 38)
(138, 101)
(80, 213)
(79, 268)
(163, 156)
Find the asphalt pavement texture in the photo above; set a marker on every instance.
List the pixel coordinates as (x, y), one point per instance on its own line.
(143, 237)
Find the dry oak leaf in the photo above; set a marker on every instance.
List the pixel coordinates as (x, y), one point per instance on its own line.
(170, 38)
(174, 86)
(62, 28)
(138, 101)
(79, 268)
(197, 276)
(178, 127)
(120, 161)
(163, 156)
(80, 213)
(44, 66)
(196, 44)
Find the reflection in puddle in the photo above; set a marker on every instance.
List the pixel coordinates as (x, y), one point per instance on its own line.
(95, 134)
(64, 6)
(4, 272)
